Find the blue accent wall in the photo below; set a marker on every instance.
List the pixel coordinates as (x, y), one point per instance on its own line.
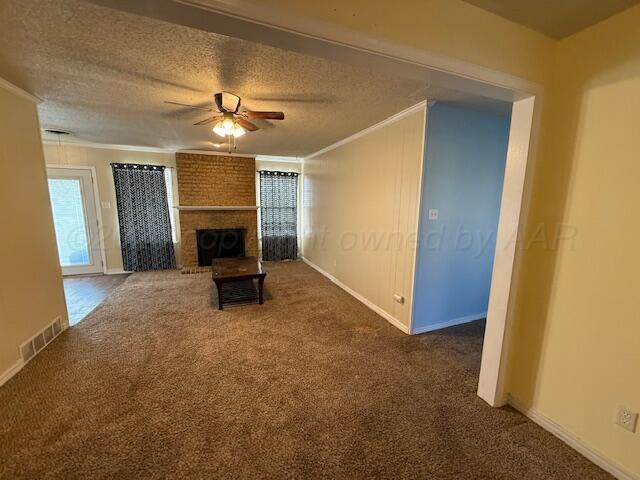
(465, 157)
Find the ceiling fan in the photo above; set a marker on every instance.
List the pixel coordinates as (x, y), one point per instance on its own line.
(229, 121)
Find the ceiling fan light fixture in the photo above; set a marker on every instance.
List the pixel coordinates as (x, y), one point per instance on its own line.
(218, 129)
(231, 128)
(238, 131)
(228, 124)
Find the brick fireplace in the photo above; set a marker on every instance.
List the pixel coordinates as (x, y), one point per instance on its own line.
(220, 181)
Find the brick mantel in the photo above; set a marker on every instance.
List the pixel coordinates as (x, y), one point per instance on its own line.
(214, 207)
(221, 181)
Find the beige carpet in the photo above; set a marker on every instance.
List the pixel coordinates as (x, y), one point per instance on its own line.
(156, 383)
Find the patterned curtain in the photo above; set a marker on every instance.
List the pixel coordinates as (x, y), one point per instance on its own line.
(143, 212)
(279, 215)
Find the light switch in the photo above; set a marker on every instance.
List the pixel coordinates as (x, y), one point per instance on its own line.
(433, 214)
(105, 204)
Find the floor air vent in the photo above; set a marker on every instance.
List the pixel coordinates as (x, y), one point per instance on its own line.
(29, 349)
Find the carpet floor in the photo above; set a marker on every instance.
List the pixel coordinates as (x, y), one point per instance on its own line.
(157, 383)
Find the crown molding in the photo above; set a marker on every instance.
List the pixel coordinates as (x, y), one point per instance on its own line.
(275, 158)
(218, 154)
(138, 148)
(10, 87)
(392, 119)
(109, 146)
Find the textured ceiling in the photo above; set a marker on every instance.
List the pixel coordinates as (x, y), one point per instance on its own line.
(103, 74)
(555, 18)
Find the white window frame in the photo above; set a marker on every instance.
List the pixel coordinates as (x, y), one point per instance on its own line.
(168, 180)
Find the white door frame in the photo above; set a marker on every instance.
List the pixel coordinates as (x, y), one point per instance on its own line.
(96, 199)
(279, 27)
(495, 350)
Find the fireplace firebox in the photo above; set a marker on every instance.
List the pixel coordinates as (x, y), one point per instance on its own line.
(219, 243)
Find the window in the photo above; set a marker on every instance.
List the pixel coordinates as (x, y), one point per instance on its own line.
(143, 215)
(69, 221)
(278, 215)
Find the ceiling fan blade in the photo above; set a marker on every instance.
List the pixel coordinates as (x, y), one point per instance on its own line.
(265, 115)
(207, 121)
(246, 124)
(189, 106)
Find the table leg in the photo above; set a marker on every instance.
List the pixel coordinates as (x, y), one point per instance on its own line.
(219, 287)
(260, 288)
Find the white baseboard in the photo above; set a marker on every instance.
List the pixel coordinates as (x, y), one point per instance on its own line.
(573, 441)
(387, 316)
(449, 323)
(11, 371)
(115, 271)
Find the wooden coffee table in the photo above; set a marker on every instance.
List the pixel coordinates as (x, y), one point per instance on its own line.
(234, 279)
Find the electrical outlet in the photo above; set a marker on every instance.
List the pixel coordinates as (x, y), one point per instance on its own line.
(433, 214)
(627, 419)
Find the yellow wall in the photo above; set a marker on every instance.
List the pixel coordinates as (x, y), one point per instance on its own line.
(577, 338)
(31, 292)
(448, 27)
(360, 204)
(101, 159)
(576, 335)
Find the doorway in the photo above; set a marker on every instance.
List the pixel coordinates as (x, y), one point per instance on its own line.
(463, 174)
(75, 218)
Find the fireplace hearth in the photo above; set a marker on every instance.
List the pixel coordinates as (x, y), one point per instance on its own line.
(219, 243)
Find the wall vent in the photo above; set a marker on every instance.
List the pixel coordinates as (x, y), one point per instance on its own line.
(56, 131)
(29, 349)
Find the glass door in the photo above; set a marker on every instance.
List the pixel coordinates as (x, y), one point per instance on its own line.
(75, 220)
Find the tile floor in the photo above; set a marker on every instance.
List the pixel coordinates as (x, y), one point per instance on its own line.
(84, 293)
